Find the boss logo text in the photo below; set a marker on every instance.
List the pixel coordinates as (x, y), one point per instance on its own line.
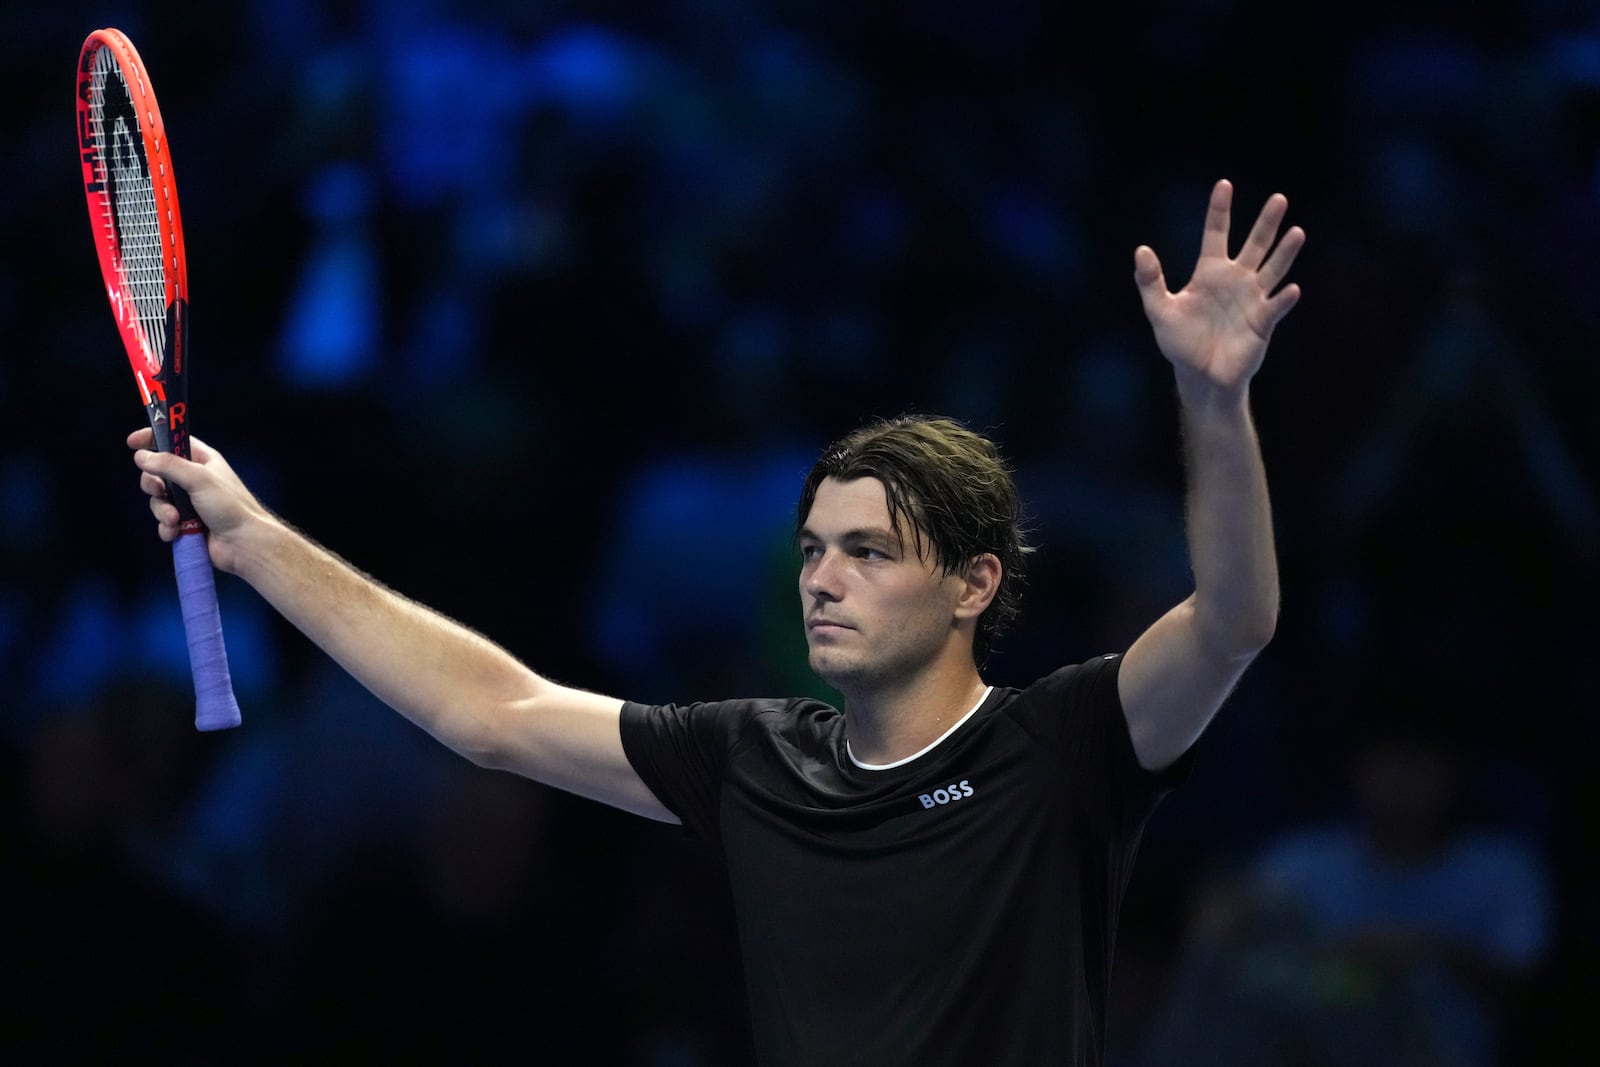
(958, 791)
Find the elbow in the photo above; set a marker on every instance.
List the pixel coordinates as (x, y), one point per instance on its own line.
(1258, 634)
(486, 756)
(1240, 636)
(1250, 635)
(474, 738)
(499, 735)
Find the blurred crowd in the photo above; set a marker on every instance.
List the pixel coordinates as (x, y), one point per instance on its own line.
(539, 314)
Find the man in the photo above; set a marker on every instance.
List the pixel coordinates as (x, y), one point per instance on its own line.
(932, 875)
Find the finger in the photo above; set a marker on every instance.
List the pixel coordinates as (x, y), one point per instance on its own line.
(1264, 232)
(1146, 267)
(1280, 304)
(153, 486)
(170, 468)
(1214, 240)
(145, 437)
(166, 513)
(1148, 277)
(1276, 268)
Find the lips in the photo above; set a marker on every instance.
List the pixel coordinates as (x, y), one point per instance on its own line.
(826, 625)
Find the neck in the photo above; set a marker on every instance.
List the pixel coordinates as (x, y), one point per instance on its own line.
(893, 722)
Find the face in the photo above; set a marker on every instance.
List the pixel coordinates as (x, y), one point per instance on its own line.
(875, 612)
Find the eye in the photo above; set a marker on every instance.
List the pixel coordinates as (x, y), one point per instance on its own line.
(866, 552)
(810, 552)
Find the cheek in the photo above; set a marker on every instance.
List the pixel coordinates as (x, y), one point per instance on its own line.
(917, 606)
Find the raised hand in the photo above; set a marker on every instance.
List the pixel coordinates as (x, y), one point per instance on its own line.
(1215, 329)
(216, 492)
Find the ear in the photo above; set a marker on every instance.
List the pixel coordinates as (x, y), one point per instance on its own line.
(980, 581)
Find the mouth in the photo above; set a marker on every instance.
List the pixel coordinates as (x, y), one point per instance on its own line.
(825, 626)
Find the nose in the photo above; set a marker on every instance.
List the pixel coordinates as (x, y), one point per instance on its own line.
(819, 577)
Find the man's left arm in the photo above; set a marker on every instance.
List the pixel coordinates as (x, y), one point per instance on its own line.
(1214, 332)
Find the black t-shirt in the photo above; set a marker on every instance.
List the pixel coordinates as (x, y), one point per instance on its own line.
(956, 908)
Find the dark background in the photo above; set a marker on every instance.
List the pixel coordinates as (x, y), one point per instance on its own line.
(539, 313)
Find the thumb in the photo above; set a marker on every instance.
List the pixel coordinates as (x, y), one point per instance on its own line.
(170, 468)
(201, 452)
(1148, 277)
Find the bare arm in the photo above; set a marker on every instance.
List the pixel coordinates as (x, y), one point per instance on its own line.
(1214, 332)
(463, 689)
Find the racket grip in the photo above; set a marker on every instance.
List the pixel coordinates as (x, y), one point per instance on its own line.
(214, 705)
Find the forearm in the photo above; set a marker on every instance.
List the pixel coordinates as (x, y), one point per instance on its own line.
(1229, 522)
(462, 688)
(452, 682)
(1214, 332)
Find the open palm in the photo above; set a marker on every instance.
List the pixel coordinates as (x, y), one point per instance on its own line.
(1215, 329)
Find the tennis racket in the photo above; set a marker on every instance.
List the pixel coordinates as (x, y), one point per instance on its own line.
(133, 210)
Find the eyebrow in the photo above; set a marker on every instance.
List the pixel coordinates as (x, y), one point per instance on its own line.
(878, 534)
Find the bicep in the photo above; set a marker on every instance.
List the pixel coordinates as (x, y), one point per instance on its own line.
(572, 739)
(1171, 685)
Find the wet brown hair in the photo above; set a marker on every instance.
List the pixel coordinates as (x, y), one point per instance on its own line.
(954, 491)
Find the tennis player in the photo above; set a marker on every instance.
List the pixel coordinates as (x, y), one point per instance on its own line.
(931, 874)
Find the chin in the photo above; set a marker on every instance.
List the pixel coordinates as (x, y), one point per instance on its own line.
(831, 668)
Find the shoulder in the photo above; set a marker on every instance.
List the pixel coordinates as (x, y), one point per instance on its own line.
(736, 720)
(1065, 695)
(687, 753)
(1097, 668)
(798, 720)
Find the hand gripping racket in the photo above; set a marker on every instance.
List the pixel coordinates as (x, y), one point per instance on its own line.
(133, 209)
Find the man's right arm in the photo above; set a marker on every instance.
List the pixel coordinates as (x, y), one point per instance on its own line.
(462, 688)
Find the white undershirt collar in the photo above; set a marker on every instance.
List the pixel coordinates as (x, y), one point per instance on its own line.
(931, 745)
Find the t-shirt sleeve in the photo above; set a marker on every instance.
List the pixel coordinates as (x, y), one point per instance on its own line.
(681, 752)
(1078, 711)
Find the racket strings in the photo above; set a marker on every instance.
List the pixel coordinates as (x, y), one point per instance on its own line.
(131, 212)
